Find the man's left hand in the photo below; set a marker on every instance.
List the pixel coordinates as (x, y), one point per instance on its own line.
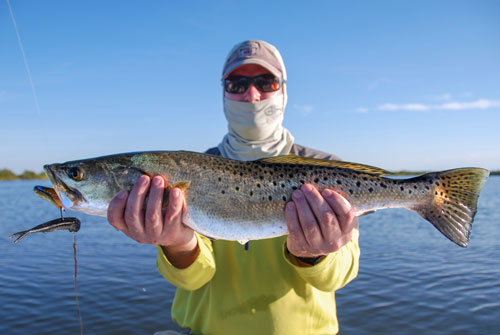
(318, 223)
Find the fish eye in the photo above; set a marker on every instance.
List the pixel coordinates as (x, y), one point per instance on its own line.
(75, 173)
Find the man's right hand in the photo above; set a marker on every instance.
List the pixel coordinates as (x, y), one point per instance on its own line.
(126, 214)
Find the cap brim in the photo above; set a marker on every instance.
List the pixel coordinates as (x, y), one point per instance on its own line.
(264, 64)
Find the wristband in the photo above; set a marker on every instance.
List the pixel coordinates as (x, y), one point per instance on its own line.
(310, 260)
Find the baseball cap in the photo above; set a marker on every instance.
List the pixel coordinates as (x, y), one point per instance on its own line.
(255, 52)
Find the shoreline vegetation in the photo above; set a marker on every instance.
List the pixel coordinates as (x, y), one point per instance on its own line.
(6, 174)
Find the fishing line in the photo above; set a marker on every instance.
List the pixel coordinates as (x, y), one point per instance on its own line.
(76, 292)
(24, 57)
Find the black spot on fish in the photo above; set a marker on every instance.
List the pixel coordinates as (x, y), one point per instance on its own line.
(339, 182)
(316, 180)
(383, 185)
(415, 186)
(409, 191)
(220, 179)
(294, 188)
(437, 184)
(358, 184)
(270, 198)
(427, 187)
(402, 188)
(274, 183)
(325, 178)
(291, 175)
(304, 174)
(223, 192)
(370, 190)
(284, 198)
(302, 182)
(365, 179)
(351, 191)
(283, 185)
(258, 185)
(237, 188)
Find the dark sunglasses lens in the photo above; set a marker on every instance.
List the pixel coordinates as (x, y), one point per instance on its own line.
(236, 85)
(267, 84)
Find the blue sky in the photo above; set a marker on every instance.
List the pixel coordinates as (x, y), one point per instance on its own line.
(396, 84)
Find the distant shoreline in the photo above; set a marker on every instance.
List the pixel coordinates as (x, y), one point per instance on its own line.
(6, 174)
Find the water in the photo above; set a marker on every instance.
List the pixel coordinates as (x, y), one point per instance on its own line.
(412, 280)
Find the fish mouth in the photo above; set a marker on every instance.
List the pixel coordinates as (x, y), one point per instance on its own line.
(48, 194)
(68, 197)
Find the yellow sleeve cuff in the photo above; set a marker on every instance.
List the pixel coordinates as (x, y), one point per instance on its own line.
(195, 275)
(333, 271)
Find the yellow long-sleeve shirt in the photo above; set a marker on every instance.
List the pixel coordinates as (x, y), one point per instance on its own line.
(230, 290)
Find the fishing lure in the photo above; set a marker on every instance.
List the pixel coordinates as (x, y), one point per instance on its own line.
(70, 223)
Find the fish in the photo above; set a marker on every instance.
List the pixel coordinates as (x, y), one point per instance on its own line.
(245, 200)
(70, 223)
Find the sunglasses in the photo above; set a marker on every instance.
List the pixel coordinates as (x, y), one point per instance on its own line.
(240, 84)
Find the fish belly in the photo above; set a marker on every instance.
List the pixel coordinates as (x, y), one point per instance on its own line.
(234, 229)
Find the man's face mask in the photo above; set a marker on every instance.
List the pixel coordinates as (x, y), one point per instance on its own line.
(254, 121)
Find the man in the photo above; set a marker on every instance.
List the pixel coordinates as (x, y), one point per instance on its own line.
(284, 285)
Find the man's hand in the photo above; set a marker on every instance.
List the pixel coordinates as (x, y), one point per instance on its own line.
(318, 223)
(125, 213)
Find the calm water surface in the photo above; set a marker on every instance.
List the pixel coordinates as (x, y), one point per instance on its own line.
(412, 280)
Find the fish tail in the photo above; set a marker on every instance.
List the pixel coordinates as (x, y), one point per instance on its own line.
(454, 202)
(19, 235)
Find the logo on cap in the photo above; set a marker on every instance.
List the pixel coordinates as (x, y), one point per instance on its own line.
(248, 50)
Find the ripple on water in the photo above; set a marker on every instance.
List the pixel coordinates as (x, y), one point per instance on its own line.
(411, 280)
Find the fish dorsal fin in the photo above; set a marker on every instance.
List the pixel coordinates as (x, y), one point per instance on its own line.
(293, 159)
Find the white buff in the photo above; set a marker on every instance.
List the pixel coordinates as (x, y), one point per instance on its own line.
(255, 129)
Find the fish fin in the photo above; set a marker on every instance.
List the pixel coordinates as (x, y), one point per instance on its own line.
(367, 212)
(182, 185)
(454, 205)
(293, 159)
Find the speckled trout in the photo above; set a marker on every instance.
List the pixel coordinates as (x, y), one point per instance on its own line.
(241, 201)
